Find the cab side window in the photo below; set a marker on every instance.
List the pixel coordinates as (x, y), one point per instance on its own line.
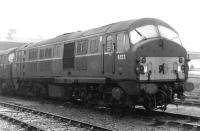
(35, 54)
(78, 48)
(109, 46)
(41, 55)
(50, 53)
(122, 42)
(127, 44)
(94, 44)
(82, 47)
(32, 54)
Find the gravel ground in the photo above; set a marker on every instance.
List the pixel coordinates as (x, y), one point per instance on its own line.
(37, 120)
(196, 81)
(7, 126)
(182, 109)
(127, 123)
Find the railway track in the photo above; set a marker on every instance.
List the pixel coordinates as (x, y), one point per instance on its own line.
(25, 125)
(188, 103)
(25, 117)
(193, 97)
(171, 119)
(158, 119)
(189, 100)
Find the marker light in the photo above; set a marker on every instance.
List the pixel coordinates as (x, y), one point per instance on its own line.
(179, 68)
(141, 68)
(175, 66)
(182, 67)
(180, 60)
(143, 60)
(149, 67)
(145, 69)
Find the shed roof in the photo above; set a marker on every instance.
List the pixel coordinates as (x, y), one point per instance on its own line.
(8, 51)
(5, 45)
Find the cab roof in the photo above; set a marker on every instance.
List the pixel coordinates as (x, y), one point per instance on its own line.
(114, 27)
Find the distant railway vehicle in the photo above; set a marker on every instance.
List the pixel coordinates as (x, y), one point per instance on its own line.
(128, 63)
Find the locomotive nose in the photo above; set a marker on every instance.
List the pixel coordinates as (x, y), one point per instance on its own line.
(160, 59)
(160, 48)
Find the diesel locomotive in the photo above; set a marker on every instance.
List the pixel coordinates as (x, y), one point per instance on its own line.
(124, 64)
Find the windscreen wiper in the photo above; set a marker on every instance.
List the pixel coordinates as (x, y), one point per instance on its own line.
(143, 37)
(175, 37)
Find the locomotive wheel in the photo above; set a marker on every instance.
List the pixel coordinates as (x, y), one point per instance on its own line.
(15, 84)
(162, 96)
(148, 103)
(3, 88)
(117, 109)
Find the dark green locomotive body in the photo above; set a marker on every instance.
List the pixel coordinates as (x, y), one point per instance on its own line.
(130, 62)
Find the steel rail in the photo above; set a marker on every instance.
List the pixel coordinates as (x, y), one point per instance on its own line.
(158, 121)
(97, 128)
(27, 126)
(192, 96)
(188, 103)
(56, 117)
(180, 116)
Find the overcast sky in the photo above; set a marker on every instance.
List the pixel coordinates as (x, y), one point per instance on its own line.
(32, 20)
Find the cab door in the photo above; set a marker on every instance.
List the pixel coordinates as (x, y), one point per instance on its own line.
(121, 60)
(109, 55)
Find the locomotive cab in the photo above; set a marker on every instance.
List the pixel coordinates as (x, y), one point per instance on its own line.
(160, 64)
(159, 54)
